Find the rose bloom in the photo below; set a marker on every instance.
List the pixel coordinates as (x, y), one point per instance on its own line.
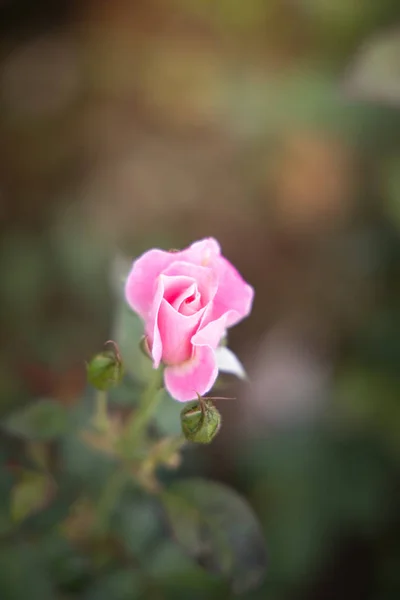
(187, 300)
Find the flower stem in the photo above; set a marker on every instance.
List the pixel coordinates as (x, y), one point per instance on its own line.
(100, 419)
(136, 428)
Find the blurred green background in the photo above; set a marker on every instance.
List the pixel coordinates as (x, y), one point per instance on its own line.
(274, 126)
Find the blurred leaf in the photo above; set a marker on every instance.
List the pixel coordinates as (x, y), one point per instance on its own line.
(43, 420)
(285, 470)
(168, 558)
(68, 491)
(127, 333)
(68, 568)
(85, 463)
(22, 573)
(38, 453)
(6, 483)
(31, 493)
(375, 74)
(137, 521)
(167, 417)
(78, 526)
(217, 528)
(123, 584)
(391, 181)
(179, 576)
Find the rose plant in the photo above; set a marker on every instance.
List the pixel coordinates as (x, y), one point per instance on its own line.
(186, 301)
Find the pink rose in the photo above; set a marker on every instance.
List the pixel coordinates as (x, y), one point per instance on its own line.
(187, 300)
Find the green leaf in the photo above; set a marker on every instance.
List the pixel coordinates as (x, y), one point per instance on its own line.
(122, 584)
(68, 491)
(218, 529)
(22, 573)
(44, 420)
(68, 568)
(180, 577)
(30, 494)
(136, 522)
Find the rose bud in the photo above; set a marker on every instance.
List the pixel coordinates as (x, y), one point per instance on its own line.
(200, 421)
(105, 370)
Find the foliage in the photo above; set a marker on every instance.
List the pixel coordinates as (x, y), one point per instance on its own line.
(99, 512)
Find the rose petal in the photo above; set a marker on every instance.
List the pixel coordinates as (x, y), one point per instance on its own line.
(196, 376)
(152, 331)
(202, 253)
(178, 288)
(141, 282)
(176, 330)
(206, 278)
(234, 295)
(211, 333)
(191, 305)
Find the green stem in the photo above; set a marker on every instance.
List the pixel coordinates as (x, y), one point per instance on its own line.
(136, 429)
(100, 419)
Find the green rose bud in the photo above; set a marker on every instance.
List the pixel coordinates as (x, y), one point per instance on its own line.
(105, 370)
(200, 421)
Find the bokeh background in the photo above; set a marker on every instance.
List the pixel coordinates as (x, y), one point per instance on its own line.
(274, 126)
